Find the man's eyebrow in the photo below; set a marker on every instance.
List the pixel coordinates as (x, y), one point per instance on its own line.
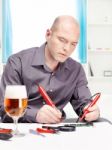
(60, 37)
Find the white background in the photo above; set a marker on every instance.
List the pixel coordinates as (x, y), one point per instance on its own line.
(31, 19)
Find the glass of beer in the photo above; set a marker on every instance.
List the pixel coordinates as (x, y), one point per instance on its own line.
(15, 103)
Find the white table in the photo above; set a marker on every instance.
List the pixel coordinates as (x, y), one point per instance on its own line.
(84, 138)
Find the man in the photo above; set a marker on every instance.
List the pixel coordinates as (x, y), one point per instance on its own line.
(50, 66)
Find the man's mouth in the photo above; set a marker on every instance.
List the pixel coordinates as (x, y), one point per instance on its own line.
(63, 55)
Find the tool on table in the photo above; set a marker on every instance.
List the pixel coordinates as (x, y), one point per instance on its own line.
(68, 127)
(46, 130)
(5, 134)
(65, 128)
(35, 132)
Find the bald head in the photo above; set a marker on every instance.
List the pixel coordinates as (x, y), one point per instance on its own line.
(62, 38)
(65, 21)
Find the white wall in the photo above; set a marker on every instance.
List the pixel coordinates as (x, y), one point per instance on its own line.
(100, 45)
(31, 18)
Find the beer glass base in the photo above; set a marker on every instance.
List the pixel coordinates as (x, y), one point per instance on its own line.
(18, 134)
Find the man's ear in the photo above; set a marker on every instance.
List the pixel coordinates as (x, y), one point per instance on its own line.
(48, 33)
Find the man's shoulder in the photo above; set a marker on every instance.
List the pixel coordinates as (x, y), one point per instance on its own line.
(71, 63)
(74, 66)
(25, 52)
(25, 56)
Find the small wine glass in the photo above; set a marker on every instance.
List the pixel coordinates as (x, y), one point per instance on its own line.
(15, 103)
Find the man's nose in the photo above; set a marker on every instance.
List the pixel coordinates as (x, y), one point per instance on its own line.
(66, 47)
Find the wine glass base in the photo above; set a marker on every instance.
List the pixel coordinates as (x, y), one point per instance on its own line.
(18, 134)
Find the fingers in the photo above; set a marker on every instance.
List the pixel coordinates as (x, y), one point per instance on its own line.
(93, 114)
(48, 114)
(93, 108)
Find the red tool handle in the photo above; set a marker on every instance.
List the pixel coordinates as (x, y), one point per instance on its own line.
(45, 96)
(3, 130)
(90, 105)
(41, 130)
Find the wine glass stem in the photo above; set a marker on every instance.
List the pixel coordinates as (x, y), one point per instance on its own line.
(15, 126)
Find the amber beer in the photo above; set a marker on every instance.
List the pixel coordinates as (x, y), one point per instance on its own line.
(15, 103)
(15, 100)
(15, 107)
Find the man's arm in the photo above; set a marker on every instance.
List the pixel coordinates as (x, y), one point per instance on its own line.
(81, 93)
(81, 98)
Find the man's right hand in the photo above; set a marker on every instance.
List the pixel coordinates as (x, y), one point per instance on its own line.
(48, 114)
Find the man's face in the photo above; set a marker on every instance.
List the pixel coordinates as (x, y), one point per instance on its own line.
(62, 42)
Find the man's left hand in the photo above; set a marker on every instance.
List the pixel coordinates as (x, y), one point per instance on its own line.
(93, 114)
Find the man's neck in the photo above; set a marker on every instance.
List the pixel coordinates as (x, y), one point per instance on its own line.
(50, 62)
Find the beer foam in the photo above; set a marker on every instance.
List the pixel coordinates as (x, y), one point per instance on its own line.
(15, 91)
